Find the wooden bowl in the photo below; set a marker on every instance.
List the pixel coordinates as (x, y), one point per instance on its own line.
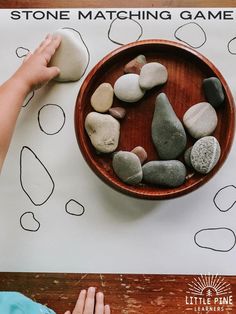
(186, 70)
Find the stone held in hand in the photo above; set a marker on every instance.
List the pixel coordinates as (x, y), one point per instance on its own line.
(200, 120)
(213, 90)
(126, 88)
(170, 173)
(117, 112)
(135, 65)
(102, 97)
(103, 131)
(168, 133)
(141, 153)
(127, 167)
(152, 74)
(205, 154)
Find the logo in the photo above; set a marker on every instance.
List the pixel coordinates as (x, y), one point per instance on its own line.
(209, 293)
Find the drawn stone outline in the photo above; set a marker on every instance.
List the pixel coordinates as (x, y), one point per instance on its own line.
(228, 46)
(30, 98)
(49, 175)
(19, 55)
(121, 44)
(196, 47)
(73, 214)
(64, 119)
(214, 199)
(22, 225)
(210, 248)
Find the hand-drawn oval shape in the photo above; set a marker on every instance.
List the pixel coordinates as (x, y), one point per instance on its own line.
(28, 222)
(74, 208)
(51, 119)
(28, 99)
(191, 34)
(225, 198)
(35, 179)
(216, 239)
(22, 52)
(232, 46)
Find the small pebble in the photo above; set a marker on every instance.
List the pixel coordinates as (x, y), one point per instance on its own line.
(117, 112)
(127, 88)
(200, 120)
(102, 98)
(213, 90)
(135, 65)
(103, 131)
(169, 173)
(187, 158)
(152, 74)
(141, 153)
(127, 167)
(168, 133)
(205, 154)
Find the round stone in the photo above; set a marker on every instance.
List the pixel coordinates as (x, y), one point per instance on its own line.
(141, 153)
(135, 65)
(187, 158)
(213, 90)
(152, 74)
(127, 88)
(102, 98)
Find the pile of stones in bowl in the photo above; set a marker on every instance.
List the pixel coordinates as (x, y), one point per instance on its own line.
(167, 131)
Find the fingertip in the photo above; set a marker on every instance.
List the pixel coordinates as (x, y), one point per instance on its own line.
(107, 309)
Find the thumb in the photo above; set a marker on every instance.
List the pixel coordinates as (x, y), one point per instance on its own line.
(53, 72)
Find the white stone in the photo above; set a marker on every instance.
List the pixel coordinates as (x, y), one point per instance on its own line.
(152, 74)
(102, 98)
(127, 88)
(103, 131)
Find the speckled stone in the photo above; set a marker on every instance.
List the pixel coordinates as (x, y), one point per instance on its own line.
(168, 133)
(152, 74)
(200, 120)
(169, 173)
(205, 154)
(127, 88)
(135, 65)
(103, 131)
(117, 112)
(127, 167)
(102, 97)
(141, 153)
(187, 158)
(213, 90)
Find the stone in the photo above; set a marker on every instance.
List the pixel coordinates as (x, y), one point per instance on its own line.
(152, 74)
(213, 90)
(127, 88)
(205, 154)
(135, 65)
(200, 120)
(168, 133)
(117, 112)
(141, 153)
(71, 57)
(102, 97)
(103, 131)
(170, 173)
(127, 167)
(187, 158)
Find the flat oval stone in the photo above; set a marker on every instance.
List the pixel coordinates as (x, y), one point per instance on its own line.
(135, 65)
(127, 167)
(152, 74)
(205, 154)
(213, 90)
(187, 158)
(141, 153)
(168, 133)
(102, 98)
(117, 112)
(200, 120)
(103, 131)
(127, 88)
(169, 173)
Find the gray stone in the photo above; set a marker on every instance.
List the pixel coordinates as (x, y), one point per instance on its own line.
(127, 88)
(152, 74)
(205, 154)
(135, 65)
(168, 133)
(187, 158)
(200, 120)
(213, 90)
(102, 97)
(127, 167)
(169, 173)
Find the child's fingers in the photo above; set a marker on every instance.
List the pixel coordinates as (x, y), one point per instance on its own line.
(52, 72)
(49, 50)
(90, 301)
(79, 307)
(107, 309)
(99, 309)
(44, 43)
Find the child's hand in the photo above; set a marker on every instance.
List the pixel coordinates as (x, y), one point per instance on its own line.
(34, 72)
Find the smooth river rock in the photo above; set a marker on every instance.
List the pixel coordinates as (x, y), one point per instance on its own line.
(141, 153)
(187, 158)
(152, 74)
(169, 173)
(205, 154)
(168, 133)
(200, 120)
(127, 88)
(127, 167)
(117, 112)
(135, 65)
(102, 97)
(103, 131)
(213, 90)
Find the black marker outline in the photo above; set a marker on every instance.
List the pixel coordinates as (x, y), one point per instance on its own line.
(21, 183)
(228, 46)
(72, 200)
(212, 249)
(26, 229)
(29, 99)
(196, 47)
(214, 199)
(64, 119)
(24, 55)
(116, 42)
